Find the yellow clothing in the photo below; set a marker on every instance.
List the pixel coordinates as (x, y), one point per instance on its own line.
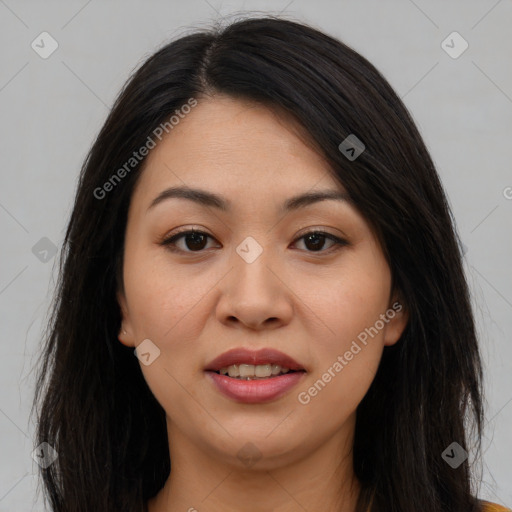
(492, 507)
(489, 507)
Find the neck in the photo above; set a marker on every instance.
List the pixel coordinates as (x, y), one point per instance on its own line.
(320, 480)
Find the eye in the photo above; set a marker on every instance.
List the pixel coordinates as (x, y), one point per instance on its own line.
(195, 241)
(316, 240)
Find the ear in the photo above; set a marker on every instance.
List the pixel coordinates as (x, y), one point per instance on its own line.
(125, 335)
(397, 316)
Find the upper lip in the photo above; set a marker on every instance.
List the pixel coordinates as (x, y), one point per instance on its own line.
(244, 356)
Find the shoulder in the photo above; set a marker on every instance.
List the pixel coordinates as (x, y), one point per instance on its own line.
(493, 507)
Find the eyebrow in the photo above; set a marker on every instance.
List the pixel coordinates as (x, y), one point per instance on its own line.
(205, 198)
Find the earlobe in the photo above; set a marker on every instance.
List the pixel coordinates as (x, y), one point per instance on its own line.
(398, 316)
(124, 335)
(125, 338)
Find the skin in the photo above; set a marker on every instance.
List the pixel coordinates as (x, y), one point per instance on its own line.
(308, 301)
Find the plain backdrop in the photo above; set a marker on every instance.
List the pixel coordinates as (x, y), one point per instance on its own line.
(52, 108)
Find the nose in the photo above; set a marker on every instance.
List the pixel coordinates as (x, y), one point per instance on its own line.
(255, 294)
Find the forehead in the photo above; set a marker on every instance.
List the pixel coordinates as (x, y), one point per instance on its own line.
(235, 147)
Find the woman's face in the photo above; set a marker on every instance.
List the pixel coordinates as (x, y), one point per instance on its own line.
(252, 280)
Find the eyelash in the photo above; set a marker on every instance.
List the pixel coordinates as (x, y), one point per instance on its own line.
(169, 242)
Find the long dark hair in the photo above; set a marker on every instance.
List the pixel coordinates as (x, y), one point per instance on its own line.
(94, 406)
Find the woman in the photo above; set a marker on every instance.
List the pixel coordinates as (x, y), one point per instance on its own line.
(272, 372)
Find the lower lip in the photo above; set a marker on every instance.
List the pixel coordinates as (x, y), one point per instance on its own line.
(257, 390)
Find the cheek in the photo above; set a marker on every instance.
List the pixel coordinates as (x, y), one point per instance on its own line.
(346, 360)
(352, 301)
(162, 297)
(333, 394)
(164, 305)
(169, 305)
(349, 339)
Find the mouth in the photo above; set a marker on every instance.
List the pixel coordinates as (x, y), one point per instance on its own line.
(254, 372)
(247, 363)
(254, 377)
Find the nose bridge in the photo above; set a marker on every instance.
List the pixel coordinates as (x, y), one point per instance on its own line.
(253, 294)
(251, 260)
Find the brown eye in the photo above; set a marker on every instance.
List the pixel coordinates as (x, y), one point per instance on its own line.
(315, 241)
(194, 241)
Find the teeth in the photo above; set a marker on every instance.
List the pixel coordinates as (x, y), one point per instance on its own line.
(251, 371)
(263, 370)
(246, 370)
(275, 369)
(234, 371)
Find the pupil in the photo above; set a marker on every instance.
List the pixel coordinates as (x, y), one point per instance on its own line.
(195, 239)
(317, 236)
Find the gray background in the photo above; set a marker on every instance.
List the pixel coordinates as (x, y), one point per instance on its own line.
(51, 109)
